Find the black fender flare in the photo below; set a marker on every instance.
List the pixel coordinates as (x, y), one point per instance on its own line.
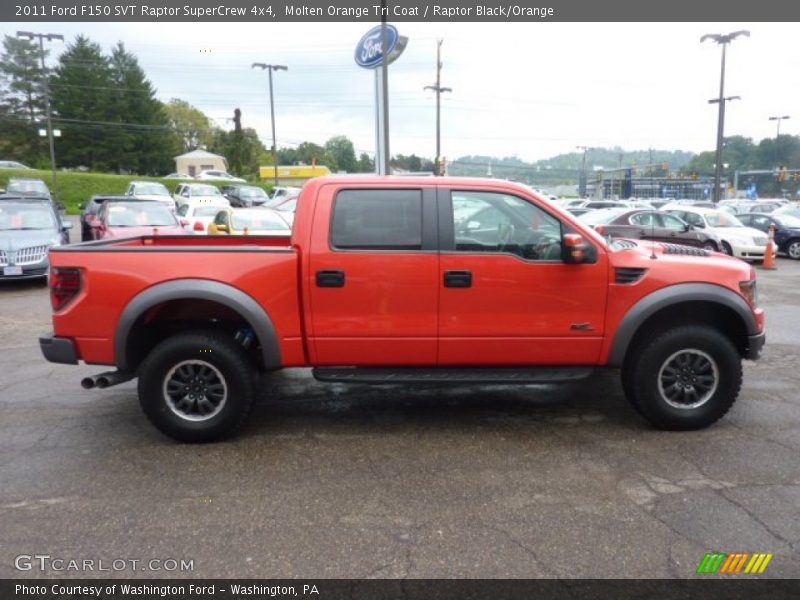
(672, 296)
(198, 289)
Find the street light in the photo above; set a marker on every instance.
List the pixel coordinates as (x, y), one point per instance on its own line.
(438, 89)
(50, 37)
(722, 40)
(582, 176)
(778, 133)
(270, 69)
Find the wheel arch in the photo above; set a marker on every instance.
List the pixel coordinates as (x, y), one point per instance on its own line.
(213, 293)
(702, 302)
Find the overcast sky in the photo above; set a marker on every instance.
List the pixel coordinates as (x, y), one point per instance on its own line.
(530, 90)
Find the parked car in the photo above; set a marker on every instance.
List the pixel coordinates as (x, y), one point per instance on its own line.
(280, 193)
(150, 190)
(736, 239)
(185, 191)
(217, 176)
(287, 207)
(199, 213)
(793, 210)
(248, 221)
(177, 176)
(28, 229)
(787, 230)
(657, 226)
(12, 164)
(377, 285)
(25, 186)
(130, 218)
(89, 210)
(246, 196)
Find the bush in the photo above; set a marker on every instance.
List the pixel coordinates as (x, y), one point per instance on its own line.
(75, 188)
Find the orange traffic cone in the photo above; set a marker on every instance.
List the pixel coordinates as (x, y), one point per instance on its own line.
(769, 252)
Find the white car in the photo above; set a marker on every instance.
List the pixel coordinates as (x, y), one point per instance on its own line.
(200, 212)
(737, 240)
(218, 176)
(186, 191)
(150, 190)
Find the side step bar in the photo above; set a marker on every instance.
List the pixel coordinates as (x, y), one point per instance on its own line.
(501, 375)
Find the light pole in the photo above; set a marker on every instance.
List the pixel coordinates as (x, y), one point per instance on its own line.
(270, 69)
(778, 134)
(50, 37)
(722, 40)
(582, 176)
(438, 89)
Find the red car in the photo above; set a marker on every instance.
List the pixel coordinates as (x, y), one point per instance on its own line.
(132, 218)
(405, 280)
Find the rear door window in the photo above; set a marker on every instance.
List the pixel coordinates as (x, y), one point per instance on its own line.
(377, 220)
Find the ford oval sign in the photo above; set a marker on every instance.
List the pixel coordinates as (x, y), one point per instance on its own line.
(370, 51)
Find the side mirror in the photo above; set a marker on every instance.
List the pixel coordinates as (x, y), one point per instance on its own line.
(687, 227)
(576, 251)
(66, 225)
(223, 228)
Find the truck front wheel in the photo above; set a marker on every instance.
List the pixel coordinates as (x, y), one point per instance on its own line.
(197, 386)
(683, 378)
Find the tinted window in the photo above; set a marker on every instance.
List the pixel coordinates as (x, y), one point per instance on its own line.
(645, 220)
(377, 220)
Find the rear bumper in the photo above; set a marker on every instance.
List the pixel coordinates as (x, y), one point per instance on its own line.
(754, 345)
(58, 349)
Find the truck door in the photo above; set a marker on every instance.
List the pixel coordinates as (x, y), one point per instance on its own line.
(374, 277)
(507, 298)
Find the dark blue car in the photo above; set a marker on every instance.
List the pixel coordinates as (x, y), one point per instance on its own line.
(787, 230)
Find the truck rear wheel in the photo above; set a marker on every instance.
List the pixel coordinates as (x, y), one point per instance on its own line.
(197, 386)
(683, 378)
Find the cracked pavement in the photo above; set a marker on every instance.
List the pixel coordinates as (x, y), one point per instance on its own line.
(336, 481)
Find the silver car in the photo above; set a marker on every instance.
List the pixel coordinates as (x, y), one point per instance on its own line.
(28, 229)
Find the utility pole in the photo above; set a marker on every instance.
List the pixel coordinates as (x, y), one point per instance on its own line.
(50, 37)
(778, 134)
(582, 176)
(270, 69)
(722, 40)
(439, 90)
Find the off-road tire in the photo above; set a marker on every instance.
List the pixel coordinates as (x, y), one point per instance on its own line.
(713, 375)
(212, 357)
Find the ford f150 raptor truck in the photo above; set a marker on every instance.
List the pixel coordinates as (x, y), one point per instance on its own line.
(401, 279)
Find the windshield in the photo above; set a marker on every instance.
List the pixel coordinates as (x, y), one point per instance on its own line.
(28, 187)
(722, 219)
(601, 216)
(288, 206)
(205, 190)
(22, 216)
(260, 220)
(134, 214)
(150, 189)
(253, 193)
(210, 210)
(789, 221)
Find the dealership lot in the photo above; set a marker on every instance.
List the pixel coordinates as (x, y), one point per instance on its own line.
(354, 481)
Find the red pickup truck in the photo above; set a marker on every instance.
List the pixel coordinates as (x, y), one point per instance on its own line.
(389, 280)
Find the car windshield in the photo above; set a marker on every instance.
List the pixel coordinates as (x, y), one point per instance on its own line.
(24, 216)
(150, 189)
(258, 220)
(27, 187)
(209, 210)
(722, 219)
(253, 193)
(288, 206)
(133, 214)
(601, 216)
(205, 190)
(789, 221)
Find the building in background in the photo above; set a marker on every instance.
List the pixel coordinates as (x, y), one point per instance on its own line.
(293, 175)
(192, 163)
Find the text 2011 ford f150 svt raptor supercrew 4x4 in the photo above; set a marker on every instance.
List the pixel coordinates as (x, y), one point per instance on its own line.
(388, 280)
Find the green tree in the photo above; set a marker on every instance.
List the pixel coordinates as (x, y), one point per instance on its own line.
(365, 163)
(191, 126)
(143, 144)
(342, 154)
(22, 101)
(249, 148)
(82, 105)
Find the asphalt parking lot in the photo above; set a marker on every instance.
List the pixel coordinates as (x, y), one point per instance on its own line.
(336, 481)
